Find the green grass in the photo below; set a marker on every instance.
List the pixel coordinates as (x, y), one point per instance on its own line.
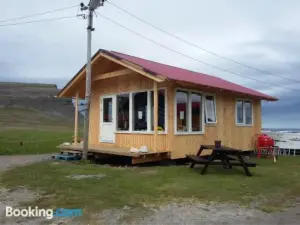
(27, 118)
(273, 185)
(34, 141)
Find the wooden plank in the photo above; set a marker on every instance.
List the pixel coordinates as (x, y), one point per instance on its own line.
(112, 74)
(76, 119)
(108, 150)
(155, 112)
(78, 76)
(125, 64)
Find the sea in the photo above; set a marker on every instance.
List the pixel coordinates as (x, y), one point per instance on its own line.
(285, 138)
(292, 130)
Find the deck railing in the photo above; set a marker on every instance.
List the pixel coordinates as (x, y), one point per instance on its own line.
(280, 152)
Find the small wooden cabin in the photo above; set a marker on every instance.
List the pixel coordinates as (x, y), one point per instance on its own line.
(172, 111)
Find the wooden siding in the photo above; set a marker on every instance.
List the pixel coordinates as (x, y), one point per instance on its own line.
(121, 84)
(179, 145)
(225, 129)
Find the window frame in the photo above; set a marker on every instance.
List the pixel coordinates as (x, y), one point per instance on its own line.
(166, 111)
(189, 111)
(215, 108)
(148, 131)
(244, 113)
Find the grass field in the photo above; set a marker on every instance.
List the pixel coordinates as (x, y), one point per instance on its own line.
(273, 186)
(32, 141)
(31, 119)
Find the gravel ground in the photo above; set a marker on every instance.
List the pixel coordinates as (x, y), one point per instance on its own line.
(19, 195)
(7, 162)
(193, 213)
(186, 212)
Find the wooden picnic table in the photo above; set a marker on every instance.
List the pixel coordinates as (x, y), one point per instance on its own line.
(225, 156)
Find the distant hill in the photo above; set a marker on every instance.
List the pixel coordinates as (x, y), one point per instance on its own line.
(34, 105)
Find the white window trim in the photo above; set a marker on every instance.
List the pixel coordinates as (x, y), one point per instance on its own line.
(148, 131)
(215, 107)
(190, 132)
(244, 113)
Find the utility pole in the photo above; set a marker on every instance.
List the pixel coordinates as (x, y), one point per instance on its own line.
(92, 6)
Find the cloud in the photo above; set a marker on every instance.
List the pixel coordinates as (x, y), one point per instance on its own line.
(259, 33)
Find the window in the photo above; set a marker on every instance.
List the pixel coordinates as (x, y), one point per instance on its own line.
(196, 112)
(189, 112)
(139, 105)
(123, 112)
(107, 107)
(210, 109)
(181, 111)
(244, 112)
(161, 110)
(135, 111)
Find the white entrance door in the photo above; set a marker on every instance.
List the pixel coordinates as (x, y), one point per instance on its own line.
(108, 119)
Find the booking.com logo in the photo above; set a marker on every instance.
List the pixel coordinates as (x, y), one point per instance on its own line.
(46, 213)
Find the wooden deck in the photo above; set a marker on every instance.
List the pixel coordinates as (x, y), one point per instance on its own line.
(140, 157)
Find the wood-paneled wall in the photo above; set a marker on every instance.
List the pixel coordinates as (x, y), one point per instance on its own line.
(128, 83)
(179, 145)
(225, 129)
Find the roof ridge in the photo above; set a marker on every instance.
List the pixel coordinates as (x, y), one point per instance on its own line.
(176, 67)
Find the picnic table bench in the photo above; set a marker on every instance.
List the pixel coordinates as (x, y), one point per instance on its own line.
(225, 156)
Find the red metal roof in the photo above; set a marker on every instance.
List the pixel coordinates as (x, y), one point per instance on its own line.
(180, 74)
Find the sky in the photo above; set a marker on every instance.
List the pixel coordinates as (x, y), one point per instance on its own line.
(257, 33)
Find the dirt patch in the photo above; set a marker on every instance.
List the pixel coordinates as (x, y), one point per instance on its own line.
(14, 198)
(149, 172)
(86, 176)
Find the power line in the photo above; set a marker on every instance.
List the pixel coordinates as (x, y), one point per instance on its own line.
(37, 21)
(187, 56)
(38, 14)
(199, 47)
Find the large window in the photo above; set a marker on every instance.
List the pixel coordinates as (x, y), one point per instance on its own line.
(244, 112)
(135, 111)
(139, 105)
(210, 109)
(123, 112)
(161, 110)
(189, 112)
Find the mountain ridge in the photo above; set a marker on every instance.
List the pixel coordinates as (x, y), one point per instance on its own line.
(34, 104)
